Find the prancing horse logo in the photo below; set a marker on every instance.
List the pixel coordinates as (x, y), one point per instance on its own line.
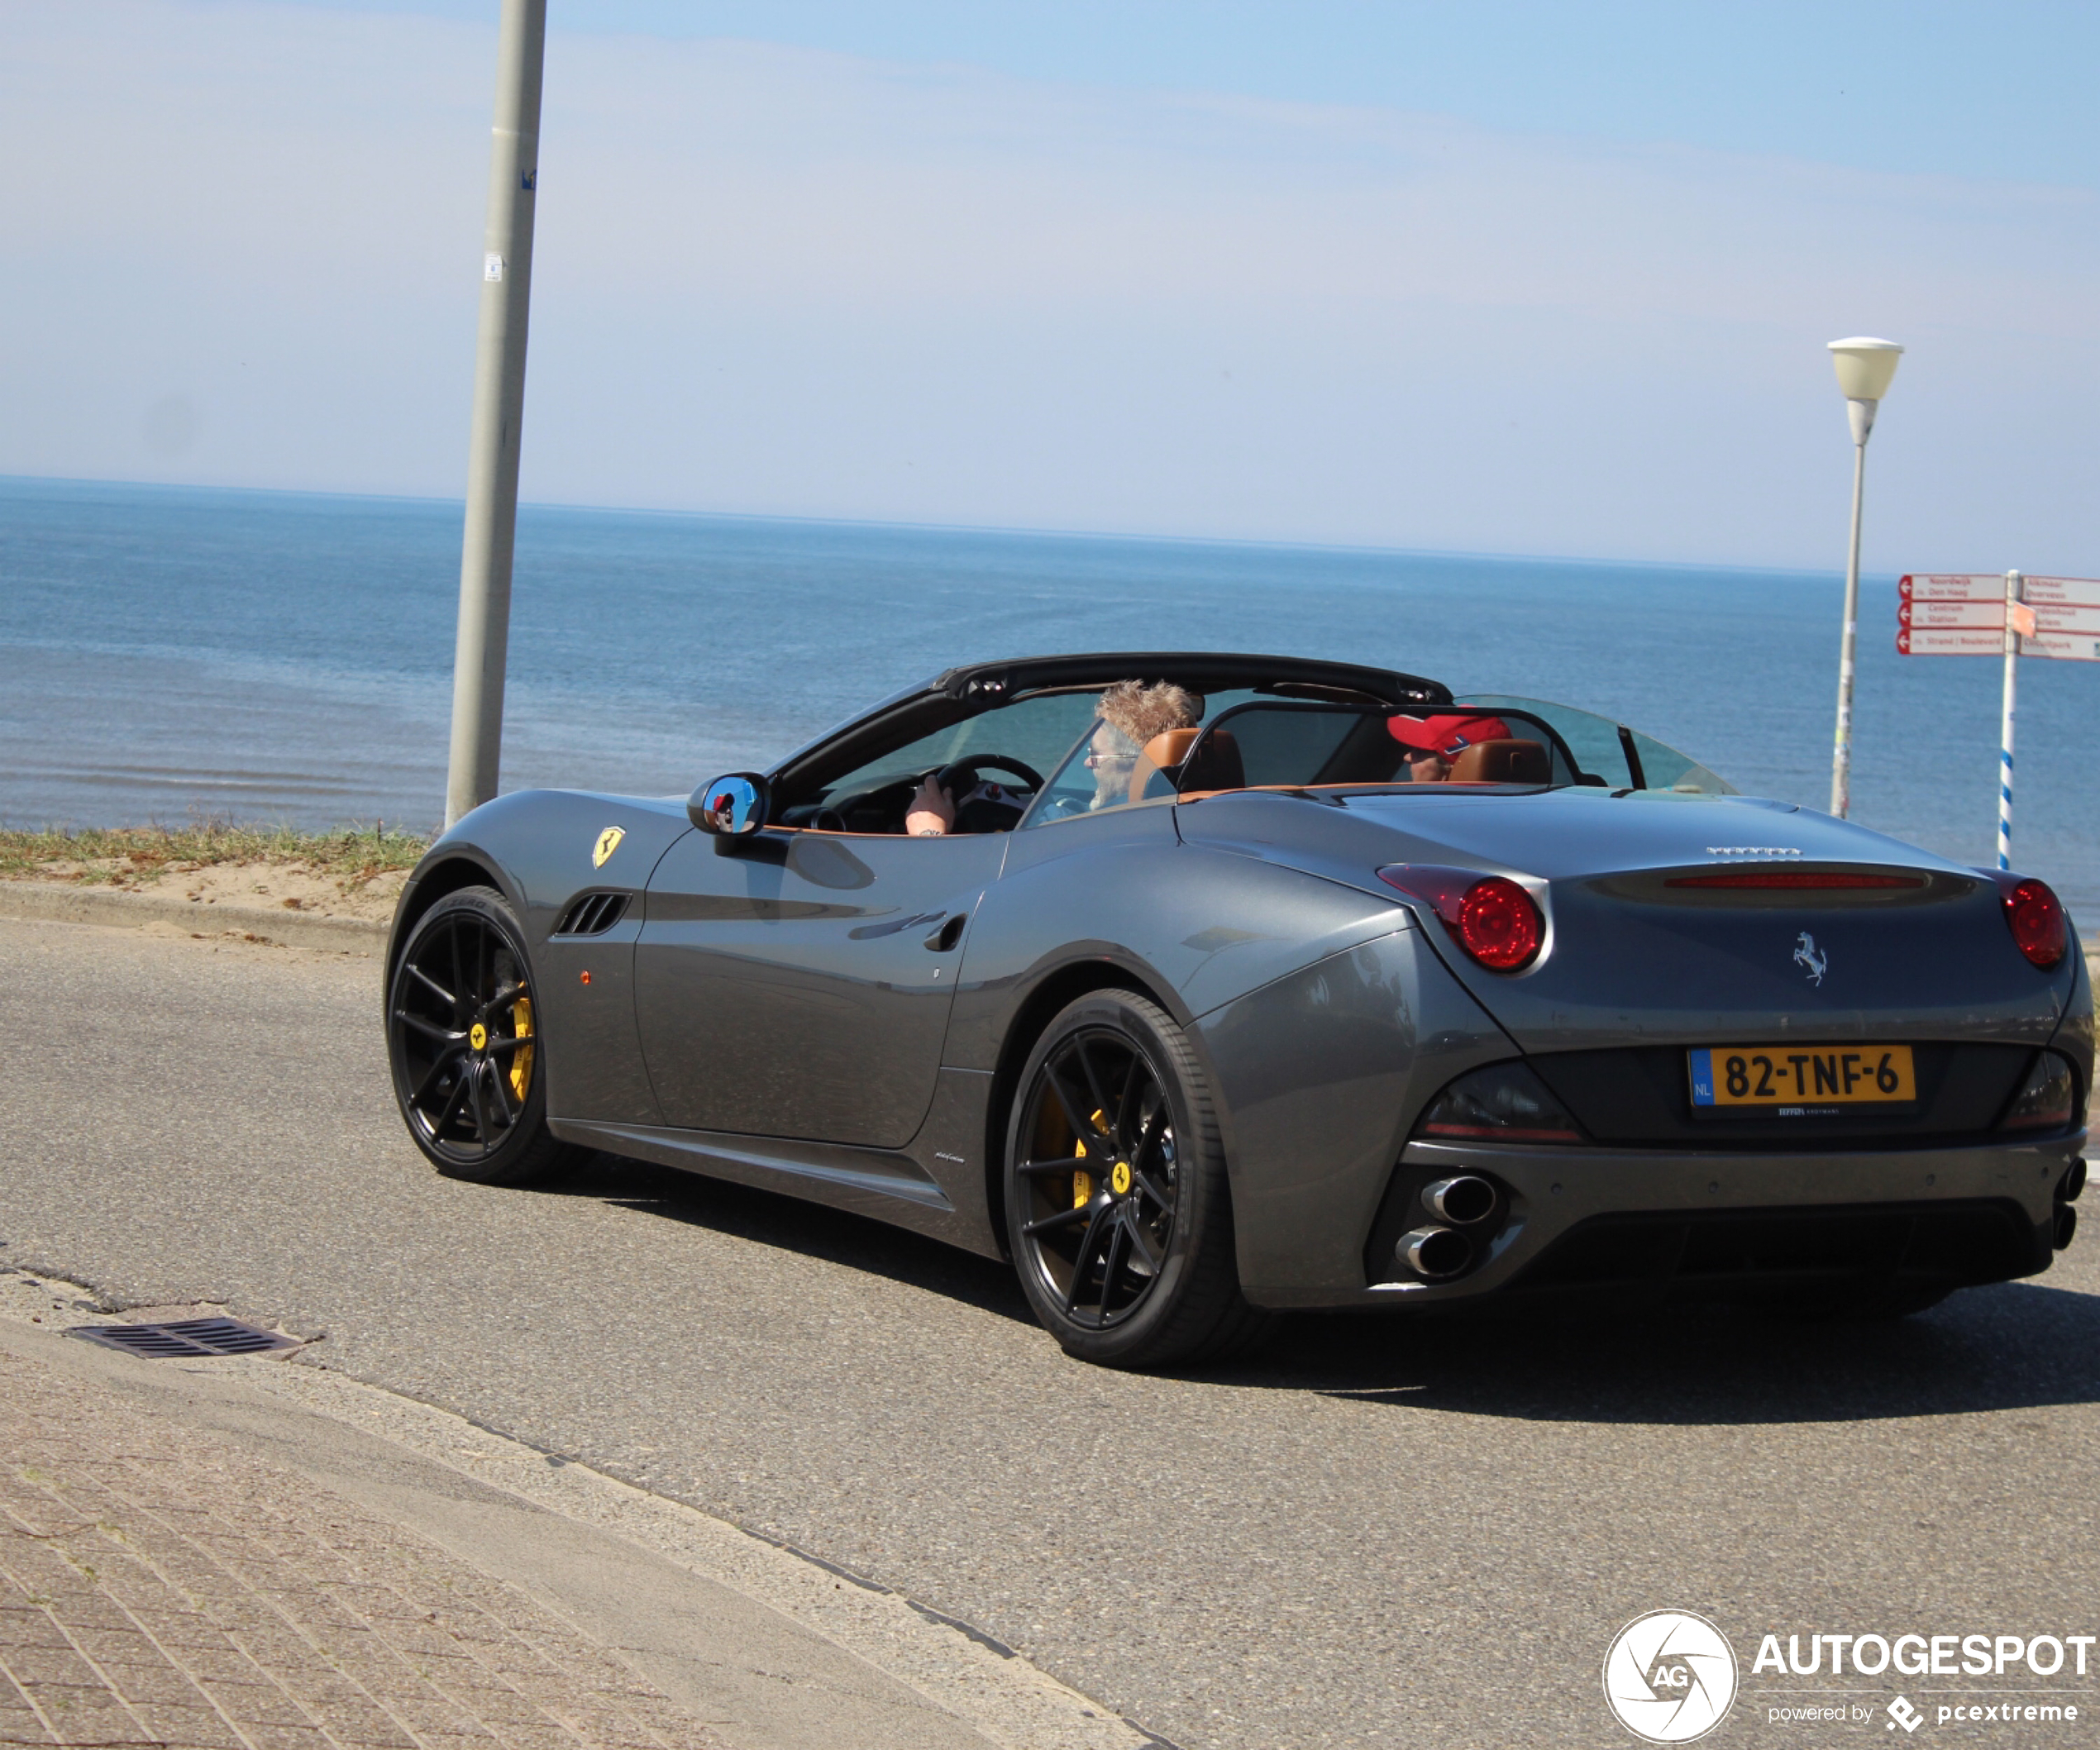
(1807, 956)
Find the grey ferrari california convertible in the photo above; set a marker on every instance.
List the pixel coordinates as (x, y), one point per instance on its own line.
(1342, 992)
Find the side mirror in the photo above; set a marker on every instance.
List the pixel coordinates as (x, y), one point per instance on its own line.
(730, 806)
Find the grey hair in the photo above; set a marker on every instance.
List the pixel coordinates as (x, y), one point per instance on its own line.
(1141, 712)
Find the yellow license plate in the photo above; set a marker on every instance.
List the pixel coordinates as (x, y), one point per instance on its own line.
(1802, 1075)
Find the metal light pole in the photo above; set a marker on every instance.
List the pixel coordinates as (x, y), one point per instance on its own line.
(498, 411)
(1865, 367)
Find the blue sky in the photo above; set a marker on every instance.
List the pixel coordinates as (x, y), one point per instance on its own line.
(1996, 90)
(1509, 278)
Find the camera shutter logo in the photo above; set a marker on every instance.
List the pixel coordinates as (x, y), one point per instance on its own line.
(1670, 1676)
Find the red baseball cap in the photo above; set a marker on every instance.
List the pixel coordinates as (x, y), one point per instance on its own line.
(1447, 734)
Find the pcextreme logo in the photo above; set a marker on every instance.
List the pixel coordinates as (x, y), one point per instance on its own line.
(1670, 1676)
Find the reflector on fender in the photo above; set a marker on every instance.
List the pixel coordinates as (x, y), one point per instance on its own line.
(2047, 1099)
(1504, 1103)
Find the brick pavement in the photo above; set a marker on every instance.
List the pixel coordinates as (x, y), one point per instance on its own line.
(162, 1590)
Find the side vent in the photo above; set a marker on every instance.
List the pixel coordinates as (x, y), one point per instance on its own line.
(592, 914)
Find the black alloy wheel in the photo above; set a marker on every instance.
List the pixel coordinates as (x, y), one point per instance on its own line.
(1118, 1209)
(467, 1056)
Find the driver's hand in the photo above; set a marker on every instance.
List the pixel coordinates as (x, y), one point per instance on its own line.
(931, 814)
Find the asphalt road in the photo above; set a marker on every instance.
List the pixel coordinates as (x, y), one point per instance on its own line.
(1368, 1533)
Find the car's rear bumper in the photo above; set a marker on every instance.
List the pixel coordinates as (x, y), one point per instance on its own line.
(1719, 1222)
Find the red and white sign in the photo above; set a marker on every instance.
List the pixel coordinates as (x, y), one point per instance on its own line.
(2073, 620)
(2060, 591)
(2081, 649)
(1959, 587)
(1963, 614)
(1909, 643)
(1953, 616)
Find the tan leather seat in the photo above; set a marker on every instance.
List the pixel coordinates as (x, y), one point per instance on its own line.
(1502, 762)
(1218, 765)
(1158, 763)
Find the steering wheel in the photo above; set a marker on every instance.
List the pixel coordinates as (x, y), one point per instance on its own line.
(959, 778)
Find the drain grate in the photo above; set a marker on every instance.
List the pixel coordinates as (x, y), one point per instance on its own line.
(187, 1337)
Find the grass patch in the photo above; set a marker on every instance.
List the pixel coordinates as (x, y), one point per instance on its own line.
(118, 855)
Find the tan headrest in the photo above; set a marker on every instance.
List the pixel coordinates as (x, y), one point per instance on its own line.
(1170, 748)
(1502, 762)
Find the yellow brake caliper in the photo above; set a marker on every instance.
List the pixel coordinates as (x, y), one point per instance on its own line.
(521, 1059)
(1082, 1183)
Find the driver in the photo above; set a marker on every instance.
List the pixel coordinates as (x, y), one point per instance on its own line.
(989, 807)
(1131, 714)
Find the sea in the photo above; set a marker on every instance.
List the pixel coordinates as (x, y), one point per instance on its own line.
(169, 654)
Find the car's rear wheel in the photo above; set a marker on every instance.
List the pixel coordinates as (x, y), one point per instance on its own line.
(1117, 1206)
(469, 1063)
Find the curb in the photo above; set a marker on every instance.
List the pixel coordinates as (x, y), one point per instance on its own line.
(960, 1673)
(47, 901)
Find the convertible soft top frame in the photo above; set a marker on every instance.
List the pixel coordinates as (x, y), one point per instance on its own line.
(958, 693)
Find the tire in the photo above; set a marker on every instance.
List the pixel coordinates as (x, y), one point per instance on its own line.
(1128, 1262)
(469, 1072)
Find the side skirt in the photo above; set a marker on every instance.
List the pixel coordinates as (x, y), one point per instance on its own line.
(934, 1186)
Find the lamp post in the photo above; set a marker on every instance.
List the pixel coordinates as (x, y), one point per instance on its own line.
(1865, 367)
(482, 650)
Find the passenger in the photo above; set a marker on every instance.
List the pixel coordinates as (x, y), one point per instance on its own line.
(1131, 714)
(1430, 746)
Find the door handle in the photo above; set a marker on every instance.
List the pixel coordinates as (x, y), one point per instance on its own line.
(948, 935)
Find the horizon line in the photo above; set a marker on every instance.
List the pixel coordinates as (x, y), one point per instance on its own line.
(1831, 573)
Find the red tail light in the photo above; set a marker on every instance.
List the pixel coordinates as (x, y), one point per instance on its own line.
(2035, 915)
(1494, 919)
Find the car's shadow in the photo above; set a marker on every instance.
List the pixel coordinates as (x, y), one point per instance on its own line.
(2014, 1345)
(788, 1223)
(2017, 1345)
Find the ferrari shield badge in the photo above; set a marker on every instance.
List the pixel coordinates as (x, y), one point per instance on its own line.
(608, 841)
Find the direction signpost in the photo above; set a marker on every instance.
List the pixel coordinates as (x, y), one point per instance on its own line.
(2009, 615)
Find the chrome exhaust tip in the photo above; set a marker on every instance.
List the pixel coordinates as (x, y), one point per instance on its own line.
(1462, 1200)
(2067, 1225)
(2074, 1182)
(1435, 1254)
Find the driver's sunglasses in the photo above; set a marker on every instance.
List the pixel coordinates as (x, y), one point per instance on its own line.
(1111, 759)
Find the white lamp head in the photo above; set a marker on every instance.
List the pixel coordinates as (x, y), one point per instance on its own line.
(1865, 366)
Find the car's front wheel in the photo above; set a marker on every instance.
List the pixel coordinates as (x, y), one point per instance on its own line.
(468, 1060)
(1118, 1211)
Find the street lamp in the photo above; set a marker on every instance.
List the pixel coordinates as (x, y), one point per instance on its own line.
(482, 651)
(1865, 367)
